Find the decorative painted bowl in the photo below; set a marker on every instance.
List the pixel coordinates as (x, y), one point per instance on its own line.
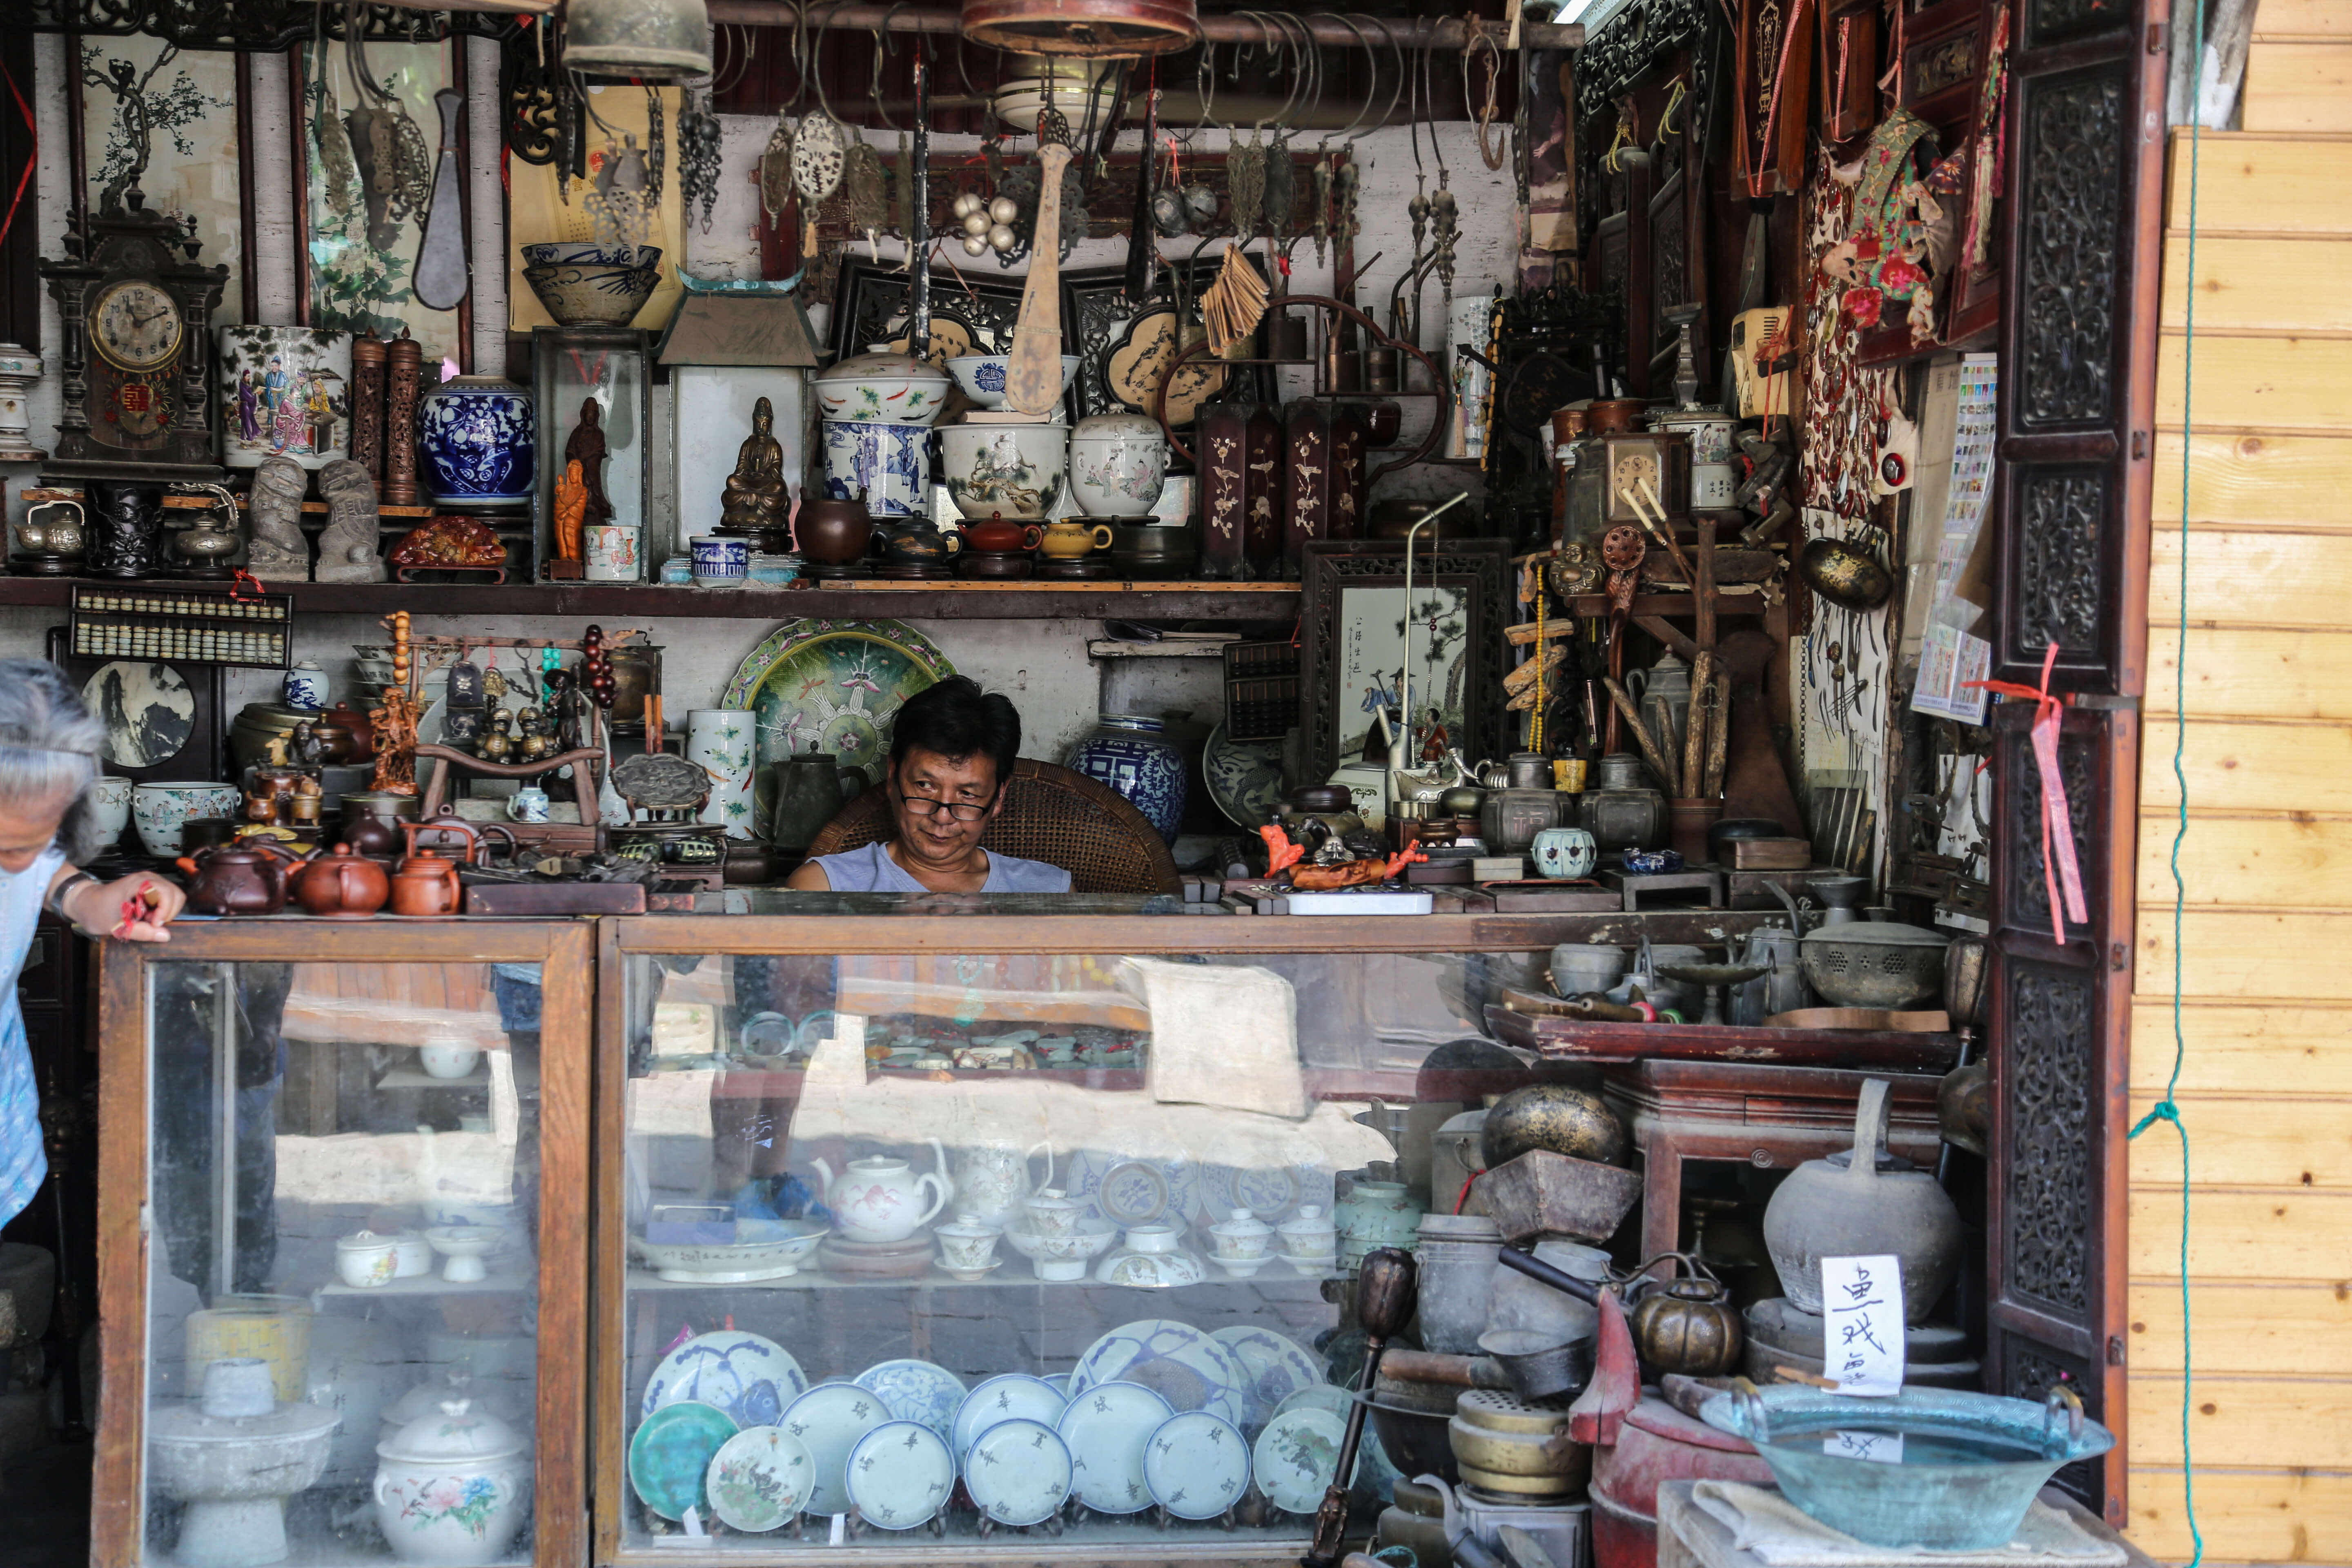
(589, 253)
(593, 296)
(774, 1254)
(981, 376)
(1065, 1256)
(480, 446)
(162, 811)
(1013, 471)
(883, 385)
(1118, 462)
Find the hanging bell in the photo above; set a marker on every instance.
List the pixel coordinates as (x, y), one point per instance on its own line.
(652, 40)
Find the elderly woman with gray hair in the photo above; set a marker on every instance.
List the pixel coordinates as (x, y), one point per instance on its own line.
(50, 749)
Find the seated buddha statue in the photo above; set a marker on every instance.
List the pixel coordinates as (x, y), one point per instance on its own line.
(756, 498)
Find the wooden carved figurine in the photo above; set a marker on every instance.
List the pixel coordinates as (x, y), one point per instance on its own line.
(756, 498)
(586, 447)
(571, 513)
(395, 721)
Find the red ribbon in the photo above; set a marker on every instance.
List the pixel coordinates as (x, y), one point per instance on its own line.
(2062, 872)
(32, 156)
(241, 582)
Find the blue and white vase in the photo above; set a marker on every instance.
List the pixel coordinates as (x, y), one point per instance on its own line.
(480, 442)
(887, 464)
(306, 685)
(1134, 756)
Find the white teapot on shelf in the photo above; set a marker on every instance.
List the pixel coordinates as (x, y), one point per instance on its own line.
(991, 1178)
(876, 1199)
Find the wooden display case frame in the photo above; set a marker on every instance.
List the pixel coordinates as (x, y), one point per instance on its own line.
(564, 949)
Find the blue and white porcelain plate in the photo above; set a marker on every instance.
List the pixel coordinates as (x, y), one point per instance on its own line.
(758, 1480)
(751, 1378)
(830, 1420)
(900, 1474)
(917, 1391)
(1014, 1396)
(1105, 1429)
(1244, 777)
(1269, 1191)
(1180, 1363)
(1138, 1187)
(1295, 1458)
(1276, 1366)
(1018, 1472)
(1376, 1473)
(1196, 1466)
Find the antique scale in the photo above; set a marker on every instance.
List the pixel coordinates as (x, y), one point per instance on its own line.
(135, 357)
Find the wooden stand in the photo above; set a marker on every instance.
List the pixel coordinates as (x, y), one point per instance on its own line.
(554, 837)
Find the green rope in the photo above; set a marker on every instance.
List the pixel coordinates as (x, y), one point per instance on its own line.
(2166, 1110)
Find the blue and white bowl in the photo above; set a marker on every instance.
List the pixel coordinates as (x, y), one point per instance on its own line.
(596, 294)
(589, 253)
(887, 464)
(981, 376)
(480, 441)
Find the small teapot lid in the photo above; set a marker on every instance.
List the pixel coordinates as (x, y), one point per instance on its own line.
(967, 1224)
(458, 1430)
(1307, 1217)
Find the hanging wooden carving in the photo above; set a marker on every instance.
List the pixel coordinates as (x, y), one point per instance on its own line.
(1771, 88)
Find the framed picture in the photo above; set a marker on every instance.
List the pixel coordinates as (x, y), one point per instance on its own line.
(163, 718)
(358, 235)
(1352, 637)
(197, 162)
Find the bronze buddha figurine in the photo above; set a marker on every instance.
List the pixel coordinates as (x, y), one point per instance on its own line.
(756, 500)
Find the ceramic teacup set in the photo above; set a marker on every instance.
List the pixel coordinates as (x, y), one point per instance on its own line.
(365, 1260)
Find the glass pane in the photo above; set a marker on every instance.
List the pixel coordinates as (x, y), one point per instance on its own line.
(343, 1264)
(880, 1206)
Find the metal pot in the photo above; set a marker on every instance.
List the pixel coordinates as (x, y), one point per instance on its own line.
(1560, 1116)
(1619, 808)
(1864, 1203)
(1875, 963)
(1509, 819)
(1689, 1325)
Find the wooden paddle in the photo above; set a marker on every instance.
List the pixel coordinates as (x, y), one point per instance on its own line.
(1033, 375)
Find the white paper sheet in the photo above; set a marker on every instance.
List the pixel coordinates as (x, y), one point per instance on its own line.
(1862, 1298)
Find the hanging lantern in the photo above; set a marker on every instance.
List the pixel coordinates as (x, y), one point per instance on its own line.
(652, 40)
(1097, 29)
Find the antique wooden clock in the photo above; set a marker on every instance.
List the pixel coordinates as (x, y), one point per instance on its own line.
(136, 361)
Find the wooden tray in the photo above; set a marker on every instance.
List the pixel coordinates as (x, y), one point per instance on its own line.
(1573, 1039)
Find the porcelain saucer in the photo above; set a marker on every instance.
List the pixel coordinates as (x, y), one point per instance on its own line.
(1295, 1458)
(1196, 1466)
(917, 1391)
(1277, 1367)
(899, 1475)
(830, 1419)
(1018, 1472)
(1010, 1397)
(1187, 1367)
(1106, 1427)
(1376, 1474)
(759, 1480)
(751, 1378)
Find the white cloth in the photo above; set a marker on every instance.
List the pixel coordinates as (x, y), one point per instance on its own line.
(1779, 1534)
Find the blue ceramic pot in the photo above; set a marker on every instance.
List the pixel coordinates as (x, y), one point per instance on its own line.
(480, 441)
(887, 464)
(1134, 756)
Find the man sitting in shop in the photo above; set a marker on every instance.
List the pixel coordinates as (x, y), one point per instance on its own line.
(951, 750)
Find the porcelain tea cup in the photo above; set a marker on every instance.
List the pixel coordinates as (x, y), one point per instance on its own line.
(1051, 1211)
(967, 1246)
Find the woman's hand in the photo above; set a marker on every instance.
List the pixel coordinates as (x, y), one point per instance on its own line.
(132, 909)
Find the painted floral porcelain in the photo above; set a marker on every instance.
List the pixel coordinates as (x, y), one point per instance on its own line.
(1196, 1466)
(1019, 1472)
(1012, 1397)
(1378, 1214)
(981, 376)
(915, 1391)
(1106, 1428)
(452, 1489)
(1563, 852)
(882, 384)
(751, 1378)
(164, 810)
(1065, 1258)
(480, 441)
(718, 740)
(1295, 1458)
(968, 1246)
(1241, 1243)
(1118, 462)
(759, 1480)
(1013, 471)
(992, 1179)
(899, 1475)
(365, 1260)
(886, 465)
(880, 1199)
(1051, 1212)
(1151, 1257)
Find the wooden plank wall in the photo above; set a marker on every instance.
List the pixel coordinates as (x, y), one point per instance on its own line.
(2266, 987)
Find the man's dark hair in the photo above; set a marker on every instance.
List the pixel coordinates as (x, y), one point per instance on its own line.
(955, 718)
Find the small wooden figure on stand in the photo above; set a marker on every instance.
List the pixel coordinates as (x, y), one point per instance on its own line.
(395, 721)
(580, 500)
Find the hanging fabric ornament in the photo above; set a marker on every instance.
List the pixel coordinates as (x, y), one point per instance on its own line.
(1245, 184)
(657, 150)
(866, 193)
(698, 141)
(775, 172)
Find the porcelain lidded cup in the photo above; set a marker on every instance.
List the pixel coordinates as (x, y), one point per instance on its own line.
(1051, 1211)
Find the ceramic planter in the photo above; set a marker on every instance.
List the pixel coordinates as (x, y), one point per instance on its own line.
(1118, 462)
(479, 442)
(452, 1488)
(1563, 853)
(889, 465)
(162, 811)
(285, 391)
(719, 741)
(882, 386)
(1134, 756)
(1013, 471)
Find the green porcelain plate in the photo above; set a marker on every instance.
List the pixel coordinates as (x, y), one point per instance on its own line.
(671, 1453)
(830, 686)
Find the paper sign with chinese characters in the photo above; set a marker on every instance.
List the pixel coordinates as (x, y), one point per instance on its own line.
(1862, 1308)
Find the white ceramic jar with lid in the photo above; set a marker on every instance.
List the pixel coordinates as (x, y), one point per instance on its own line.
(1118, 463)
(453, 1487)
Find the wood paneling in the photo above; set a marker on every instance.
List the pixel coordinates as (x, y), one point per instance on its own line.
(2259, 383)
(2298, 87)
(2299, 1141)
(2235, 1417)
(2303, 19)
(2296, 861)
(2251, 480)
(2241, 1238)
(2244, 673)
(2274, 1047)
(2261, 185)
(2245, 1516)
(2266, 284)
(2269, 579)
(2278, 1330)
(2250, 953)
(2250, 766)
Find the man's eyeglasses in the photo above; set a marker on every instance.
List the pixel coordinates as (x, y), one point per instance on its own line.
(959, 810)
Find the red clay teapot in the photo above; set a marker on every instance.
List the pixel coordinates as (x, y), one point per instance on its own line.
(999, 535)
(341, 886)
(425, 884)
(246, 877)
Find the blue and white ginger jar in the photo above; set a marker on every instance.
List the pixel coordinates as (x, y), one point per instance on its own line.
(1134, 756)
(480, 442)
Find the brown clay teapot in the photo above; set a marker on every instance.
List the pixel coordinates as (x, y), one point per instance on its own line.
(832, 533)
(341, 886)
(999, 535)
(246, 877)
(1688, 1325)
(372, 822)
(425, 884)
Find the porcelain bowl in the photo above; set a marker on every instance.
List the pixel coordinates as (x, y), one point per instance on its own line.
(767, 1249)
(882, 385)
(1065, 1256)
(1015, 471)
(589, 253)
(598, 295)
(981, 376)
(162, 811)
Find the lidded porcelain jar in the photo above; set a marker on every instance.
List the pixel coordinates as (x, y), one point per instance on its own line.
(365, 1259)
(1376, 1214)
(453, 1487)
(1241, 1243)
(1152, 1256)
(1050, 1210)
(968, 1246)
(480, 441)
(882, 383)
(1118, 463)
(1308, 1235)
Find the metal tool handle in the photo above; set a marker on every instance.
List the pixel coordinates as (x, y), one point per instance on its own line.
(1543, 1273)
(2061, 1397)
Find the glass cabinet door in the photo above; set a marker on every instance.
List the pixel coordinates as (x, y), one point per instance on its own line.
(1039, 1248)
(355, 1248)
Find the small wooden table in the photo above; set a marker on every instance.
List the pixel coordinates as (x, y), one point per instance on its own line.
(1773, 1118)
(1690, 1537)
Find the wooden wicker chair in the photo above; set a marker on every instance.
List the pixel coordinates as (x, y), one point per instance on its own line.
(1050, 813)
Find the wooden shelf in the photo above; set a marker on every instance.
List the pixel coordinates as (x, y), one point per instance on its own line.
(862, 599)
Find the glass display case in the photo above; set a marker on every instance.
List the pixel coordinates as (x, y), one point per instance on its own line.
(953, 1229)
(342, 1182)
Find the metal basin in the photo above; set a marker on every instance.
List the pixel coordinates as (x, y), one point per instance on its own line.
(1971, 1462)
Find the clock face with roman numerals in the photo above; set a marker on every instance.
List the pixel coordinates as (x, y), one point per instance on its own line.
(136, 325)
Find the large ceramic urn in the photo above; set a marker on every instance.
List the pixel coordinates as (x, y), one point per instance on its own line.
(453, 1487)
(1864, 1203)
